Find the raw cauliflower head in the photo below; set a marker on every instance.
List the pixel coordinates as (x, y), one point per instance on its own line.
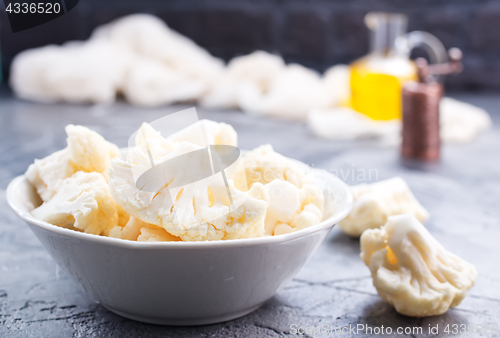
(81, 202)
(206, 209)
(374, 203)
(290, 208)
(86, 151)
(412, 271)
(264, 165)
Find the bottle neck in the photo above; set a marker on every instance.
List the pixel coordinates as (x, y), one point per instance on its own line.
(385, 32)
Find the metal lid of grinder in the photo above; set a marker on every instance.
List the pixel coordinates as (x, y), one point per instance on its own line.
(421, 108)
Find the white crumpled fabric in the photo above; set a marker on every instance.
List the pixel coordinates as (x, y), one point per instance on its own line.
(74, 72)
(152, 83)
(336, 83)
(344, 123)
(149, 37)
(257, 69)
(460, 123)
(137, 55)
(292, 94)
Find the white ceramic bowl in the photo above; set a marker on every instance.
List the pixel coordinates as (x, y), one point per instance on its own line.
(181, 283)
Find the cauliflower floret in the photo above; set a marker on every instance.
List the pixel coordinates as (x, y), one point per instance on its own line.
(45, 173)
(290, 208)
(284, 201)
(83, 202)
(221, 221)
(137, 230)
(86, 151)
(374, 203)
(123, 217)
(412, 271)
(215, 133)
(130, 231)
(156, 235)
(89, 151)
(201, 134)
(201, 210)
(263, 165)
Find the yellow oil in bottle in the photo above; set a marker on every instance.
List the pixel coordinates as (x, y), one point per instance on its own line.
(376, 84)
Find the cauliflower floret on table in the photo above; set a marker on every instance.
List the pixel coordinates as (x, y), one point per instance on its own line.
(86, 151)
(82, 202)
(374, 203)
(197, 211)
(412, 271)
(290, 208)
(263, 165)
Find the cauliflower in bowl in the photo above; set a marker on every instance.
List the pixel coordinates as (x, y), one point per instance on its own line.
(90, 187)
(412, 271)
(86, 151)
(137, 230)
(194, 212)
(82, 202)
(264, 165)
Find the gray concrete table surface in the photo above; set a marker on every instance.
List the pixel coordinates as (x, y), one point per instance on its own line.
(334, 289)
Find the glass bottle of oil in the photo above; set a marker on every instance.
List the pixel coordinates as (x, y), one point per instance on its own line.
(378, 78)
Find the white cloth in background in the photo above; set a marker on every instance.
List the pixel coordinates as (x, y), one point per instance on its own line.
(75, 72)
(151, 83)
(291, 95)
(337, 84)
(261, 83)
(96, 70)
(258, 68)
(460, 122)
(343, 123)
(148, 36)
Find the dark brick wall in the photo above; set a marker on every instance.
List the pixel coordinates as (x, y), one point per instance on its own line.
(316, 33)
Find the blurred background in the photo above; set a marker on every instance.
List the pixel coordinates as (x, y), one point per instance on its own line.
(317, 34)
